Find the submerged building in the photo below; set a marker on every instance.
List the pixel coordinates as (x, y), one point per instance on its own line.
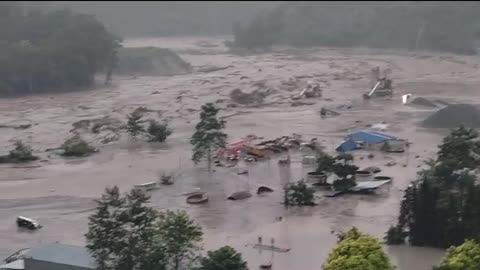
(50, 257)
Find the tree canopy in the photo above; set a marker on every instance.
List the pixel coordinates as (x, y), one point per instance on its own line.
(125, 233)
(223, 258)
(54, 51)
(433, 25)
(442, 207)
(208, 134)
(357, 251)
(463, 257)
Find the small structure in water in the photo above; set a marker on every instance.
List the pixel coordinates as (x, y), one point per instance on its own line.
(197, 198)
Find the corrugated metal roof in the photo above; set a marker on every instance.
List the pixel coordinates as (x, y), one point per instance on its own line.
(62, 254)
(370, 137)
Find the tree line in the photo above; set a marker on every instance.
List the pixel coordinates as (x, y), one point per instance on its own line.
(51, 51)
(431, 25)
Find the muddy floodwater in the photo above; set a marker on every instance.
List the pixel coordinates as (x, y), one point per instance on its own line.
(59, 192)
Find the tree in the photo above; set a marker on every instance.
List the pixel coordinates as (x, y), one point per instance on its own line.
(45, 51)
(208, 134)
(441, 207)
(121, 232)
(463, 257)
(357, 251)
(180, 237)
(343, 168)
(158, 132)
(298, 194)
(21, 153)
(77, 147)
(223, 258)
(134, 124)
(395, 235)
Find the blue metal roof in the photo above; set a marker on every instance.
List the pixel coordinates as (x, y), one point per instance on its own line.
(370, 137)
(348, 145)
(62, 254)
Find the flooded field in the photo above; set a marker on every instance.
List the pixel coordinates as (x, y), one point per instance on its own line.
(59, 192)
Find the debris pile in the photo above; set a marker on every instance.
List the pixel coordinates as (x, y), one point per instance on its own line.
(240, 97)
(454, 115)
(104, 129)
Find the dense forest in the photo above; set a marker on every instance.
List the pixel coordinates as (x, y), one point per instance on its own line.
(162, 18)
(51, 51)
(431, 25)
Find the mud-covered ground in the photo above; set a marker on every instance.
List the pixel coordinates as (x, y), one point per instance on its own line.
(59, 192)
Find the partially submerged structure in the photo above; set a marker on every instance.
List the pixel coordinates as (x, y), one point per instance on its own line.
(52, 257)
(371, 140)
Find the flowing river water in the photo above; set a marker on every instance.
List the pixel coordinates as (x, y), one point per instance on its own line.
(59, 192)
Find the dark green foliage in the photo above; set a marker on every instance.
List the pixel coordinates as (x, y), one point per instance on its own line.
(442, 207)
(433, 25)
(158, 132)
(134, 123)
(395, 235)
(121, 231)
(463, 257)
(208, 134)
(180, 238)
(21, 153)
(344, 184)
(223, 258)
(77, 147)
(344, 168)
(55, 51)
(325, 163)
(299, 194)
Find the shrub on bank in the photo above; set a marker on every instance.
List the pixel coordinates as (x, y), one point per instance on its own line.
(77, 147)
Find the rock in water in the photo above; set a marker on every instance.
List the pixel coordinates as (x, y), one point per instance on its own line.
(454, 116)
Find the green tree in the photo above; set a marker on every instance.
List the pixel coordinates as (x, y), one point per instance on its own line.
(223, 258)
(158, 132)
(121, 232)
(463, 257)
(134, 123)
(180, 237)
(357, 251)
(21, 153)
(208, 134)
(299, 194)
(441, 208)
(51, 51)
(77, 147)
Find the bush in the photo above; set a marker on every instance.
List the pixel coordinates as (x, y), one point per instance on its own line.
(76, 147)
(395, 235)
(298, 194)
(463, 257)
(158, 132)
(223, 258)
(21, 153)
(344, 184)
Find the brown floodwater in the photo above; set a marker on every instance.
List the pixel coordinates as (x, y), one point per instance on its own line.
(59, 192)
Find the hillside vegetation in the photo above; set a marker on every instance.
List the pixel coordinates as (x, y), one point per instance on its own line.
(432, 25)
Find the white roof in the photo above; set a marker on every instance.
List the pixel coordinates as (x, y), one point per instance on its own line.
(18, 264)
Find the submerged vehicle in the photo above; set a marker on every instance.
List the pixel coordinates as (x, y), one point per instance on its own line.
(28, 223)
